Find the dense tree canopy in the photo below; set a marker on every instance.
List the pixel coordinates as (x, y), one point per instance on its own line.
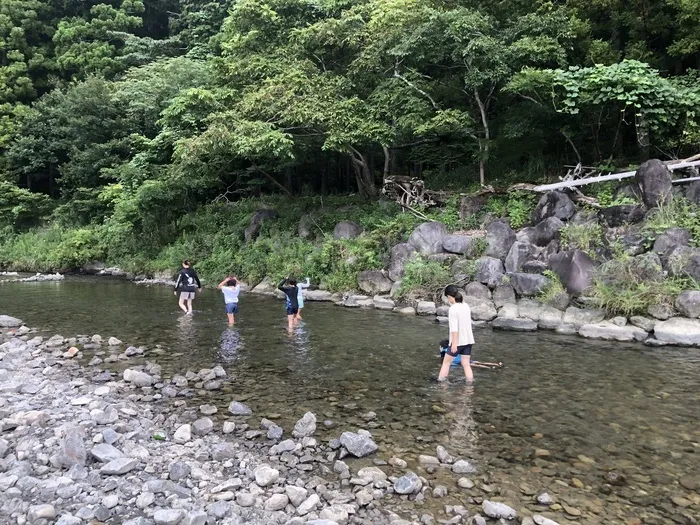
(129, 111)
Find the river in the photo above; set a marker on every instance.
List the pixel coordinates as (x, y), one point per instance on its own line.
(609, 430)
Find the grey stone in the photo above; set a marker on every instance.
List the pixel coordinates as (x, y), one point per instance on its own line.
(305, 226)
(612, 332)
(7, 321)
(409, 483)
(373, 282)
(463, 467)
(308, 505)
(499, 238)
(494, 509)
(119, 466)
(105, 453)
(256, 221)
(358, 445)
(622, 214)
(527, 284)
(41, 512)
(275, 432)
(383, 303)
(427, 238)
(276, 502)
(647, 267)
(514, 324)
(426, 308)
(346, 230)
(581, 316)
(642, 322)
(481, 309)
(678, 331)
(688, 303)
(547, 231)
(479, 290)
(399, 255)
(139, 379)
(202, 426)
(73, 450)
(465, 483)
(554, 204)
(296, 495)
(195, 517)
(239, 409)
(266, 475)
(223, 451)
(541, 520)
(550, 318)
(183, 434)
(545, 499)
(489, 271)
(661, 311)
(575, 270)
(520, 252)
(459, 244)
(671, 239)
(179, 470)
(654, 183)
(503, 294)
(169, 516)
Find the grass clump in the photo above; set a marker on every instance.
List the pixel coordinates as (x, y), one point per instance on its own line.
(516, 206)
(424, 275)
(622, 288)
(587, 237)
(554, 289)
(679, 212)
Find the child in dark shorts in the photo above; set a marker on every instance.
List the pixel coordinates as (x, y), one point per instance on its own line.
(444, 347)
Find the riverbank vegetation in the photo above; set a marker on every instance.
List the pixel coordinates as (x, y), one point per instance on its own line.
(139, 133)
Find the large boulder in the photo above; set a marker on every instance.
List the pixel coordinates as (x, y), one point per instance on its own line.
(499, 237)
(654, 183)
(7, 321)
(256, 222)
(634, 242)
(578, 317)
(489, 271)
(374, 282)
(346, 230)
(574, 269)
(678, 331)
(528, 284)
(615, 216)
(612, 332)
(459, 244)
(670, 240)
(647, 267)
(520, 252)
(547, 231)
(514, 324)
(503, 294)
(399, 255)
(688, 303)
(554, 204)
(692, 192)
(472, 205)
(479, 290)
(306, 227)
(428, 237)
(481, 309)
(684, 261)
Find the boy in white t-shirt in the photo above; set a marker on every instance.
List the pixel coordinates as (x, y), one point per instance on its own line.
(231, 289)
(461, 336)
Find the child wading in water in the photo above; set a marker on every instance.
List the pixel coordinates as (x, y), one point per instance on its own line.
(292, 293)
(461, 337)
(300, 295)
(231, 289)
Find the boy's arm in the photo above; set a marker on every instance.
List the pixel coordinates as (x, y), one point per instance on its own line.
(179, 281)
(306, 284)
(196, 278)
(222, 283)
(280, 286)
(454, 329)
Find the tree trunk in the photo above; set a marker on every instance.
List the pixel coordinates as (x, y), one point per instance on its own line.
(643, 136)
(364, 176)
(483, 146)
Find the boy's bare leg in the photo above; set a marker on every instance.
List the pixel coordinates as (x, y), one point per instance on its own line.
(189, 306)
(230, 319)
(299, 313)
(290, 321)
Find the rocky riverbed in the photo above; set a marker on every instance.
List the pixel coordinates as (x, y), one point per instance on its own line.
(87, 445)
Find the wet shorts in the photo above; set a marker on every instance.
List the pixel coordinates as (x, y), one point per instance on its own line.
(186, 295)
(231, 308)
(461, 350)
(292, 311)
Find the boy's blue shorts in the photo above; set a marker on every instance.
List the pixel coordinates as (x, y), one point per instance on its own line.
(231, 308)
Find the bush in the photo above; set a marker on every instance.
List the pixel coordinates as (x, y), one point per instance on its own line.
(620, 289)
(424, 275)
(553, 289)
(679, 212)
(20, 208)
(584, 237)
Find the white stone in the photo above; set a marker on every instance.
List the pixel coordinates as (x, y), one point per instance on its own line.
(266, 475)
(276, 502)
(612, 332)
(308, 505)
(296, 495)
(39, 512)
(229, 427)
(110, 501)
(183, 434)
(169, 516)
(678, 331)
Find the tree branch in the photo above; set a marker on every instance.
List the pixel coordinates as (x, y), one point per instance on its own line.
(271, 178)
(419, 90)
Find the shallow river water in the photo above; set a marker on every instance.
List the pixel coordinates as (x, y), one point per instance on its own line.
(611, 431)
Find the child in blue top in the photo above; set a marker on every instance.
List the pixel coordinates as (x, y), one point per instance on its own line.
(231, 289)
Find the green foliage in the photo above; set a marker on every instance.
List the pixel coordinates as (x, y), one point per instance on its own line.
(587, 237)
(621, 289)
(20, 208)
(516, 206)
(679, 212)
(554, 289)
(424, 275)
(605, 195)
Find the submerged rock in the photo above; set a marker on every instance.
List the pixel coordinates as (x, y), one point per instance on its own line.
(494, 509)
(358, 445)
(239, 409)
(409, 483)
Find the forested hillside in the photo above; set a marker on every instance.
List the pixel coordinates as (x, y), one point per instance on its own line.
(126, 127)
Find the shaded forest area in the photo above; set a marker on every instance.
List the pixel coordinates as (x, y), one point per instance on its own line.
(119, 118)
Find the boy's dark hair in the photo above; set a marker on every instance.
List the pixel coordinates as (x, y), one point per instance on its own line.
(453, 291)
(185, 262)
(444, 343)
(231, 282)
(292, 282)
